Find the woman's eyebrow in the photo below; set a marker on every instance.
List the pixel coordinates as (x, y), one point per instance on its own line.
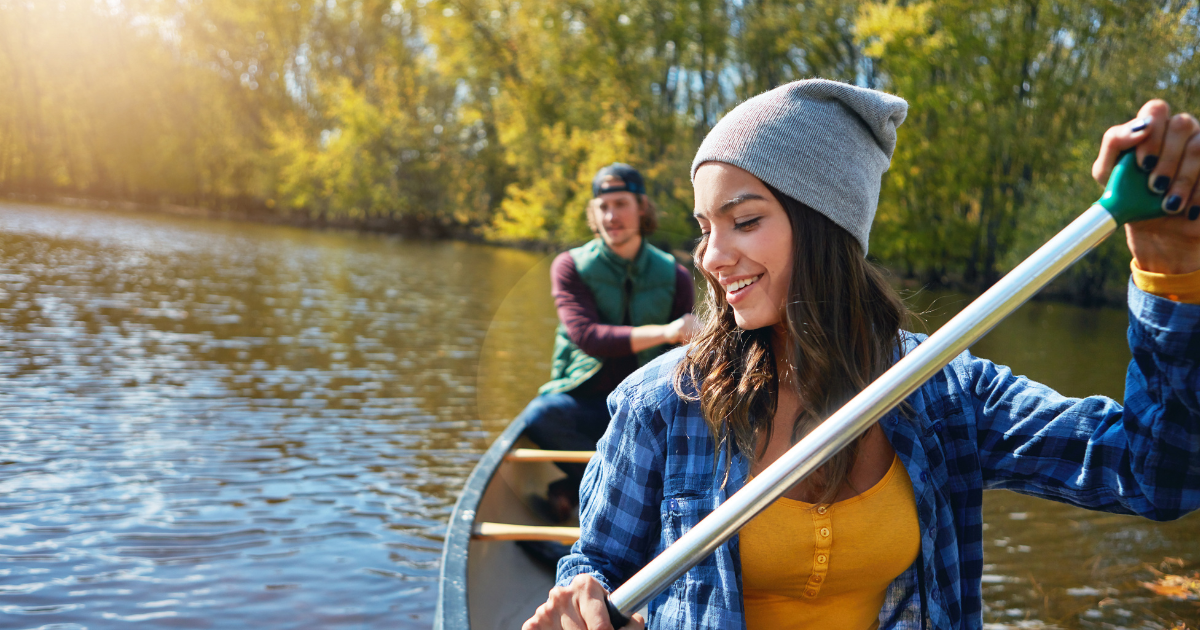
(729, 205)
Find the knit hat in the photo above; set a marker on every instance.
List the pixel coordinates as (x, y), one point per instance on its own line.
(823, 143)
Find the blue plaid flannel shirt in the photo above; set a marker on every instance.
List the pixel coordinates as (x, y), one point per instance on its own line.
(976, 426)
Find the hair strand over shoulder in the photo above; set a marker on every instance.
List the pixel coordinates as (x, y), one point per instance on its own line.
(841, 329)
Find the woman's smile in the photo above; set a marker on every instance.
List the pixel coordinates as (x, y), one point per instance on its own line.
(735, 290)
(746, 243)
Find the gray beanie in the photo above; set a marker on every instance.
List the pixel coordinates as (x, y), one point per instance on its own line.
(823, 143)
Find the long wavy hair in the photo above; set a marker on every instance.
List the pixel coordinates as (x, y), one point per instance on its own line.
(842, 323)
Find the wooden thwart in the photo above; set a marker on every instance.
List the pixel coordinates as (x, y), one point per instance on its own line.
(506, 531)
(538, 455)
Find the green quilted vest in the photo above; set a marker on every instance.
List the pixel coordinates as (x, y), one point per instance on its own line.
(648, 297)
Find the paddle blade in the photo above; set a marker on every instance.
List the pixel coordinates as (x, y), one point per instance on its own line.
(1127, 197)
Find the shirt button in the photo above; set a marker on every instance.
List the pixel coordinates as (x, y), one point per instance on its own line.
(811, 592)
(817, 579)
(822, 510)
(825, 532)
(822, 559)
(924, 476)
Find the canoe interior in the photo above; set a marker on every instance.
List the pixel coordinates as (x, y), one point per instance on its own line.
(489, 584)
(505, 586)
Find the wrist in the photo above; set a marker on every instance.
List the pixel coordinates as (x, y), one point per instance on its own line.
(647, 336)
(1165, 252)
(1166, 265)
(670, 332)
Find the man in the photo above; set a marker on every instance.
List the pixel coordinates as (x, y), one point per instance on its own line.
(621, 301)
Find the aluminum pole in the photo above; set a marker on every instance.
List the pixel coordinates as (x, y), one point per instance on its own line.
(853, 419)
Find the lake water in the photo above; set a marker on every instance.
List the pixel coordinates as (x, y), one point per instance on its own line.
(209, 424)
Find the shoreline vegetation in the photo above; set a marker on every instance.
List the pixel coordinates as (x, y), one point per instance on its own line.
(408, 229)
(485, 119)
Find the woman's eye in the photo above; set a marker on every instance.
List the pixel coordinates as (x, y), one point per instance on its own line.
(747, 224)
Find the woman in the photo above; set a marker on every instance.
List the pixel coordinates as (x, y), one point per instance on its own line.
(889, 533)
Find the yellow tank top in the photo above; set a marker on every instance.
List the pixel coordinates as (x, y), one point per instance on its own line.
(806, 566)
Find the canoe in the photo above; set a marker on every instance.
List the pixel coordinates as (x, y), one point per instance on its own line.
(487, 581)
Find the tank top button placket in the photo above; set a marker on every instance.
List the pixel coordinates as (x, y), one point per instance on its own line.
(823, 534)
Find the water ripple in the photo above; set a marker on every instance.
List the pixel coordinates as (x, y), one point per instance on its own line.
(223, 424)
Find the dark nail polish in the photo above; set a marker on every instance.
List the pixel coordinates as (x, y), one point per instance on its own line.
(1171, 205)
(1160, 184)
(1193, 213)
(1149, 162)
(1140, 125)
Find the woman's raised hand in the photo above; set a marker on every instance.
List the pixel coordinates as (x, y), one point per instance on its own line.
(1168, 148)
(579, 606)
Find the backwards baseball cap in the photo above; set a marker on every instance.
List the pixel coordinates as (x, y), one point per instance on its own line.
(631, 180)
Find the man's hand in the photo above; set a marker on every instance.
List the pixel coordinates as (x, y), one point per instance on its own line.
(1168, 147)
(682, 330)
(650, 335)
(579, 606)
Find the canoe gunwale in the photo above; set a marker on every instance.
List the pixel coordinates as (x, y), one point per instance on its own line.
(452, 611)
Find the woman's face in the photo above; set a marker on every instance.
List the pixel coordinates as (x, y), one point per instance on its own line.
(748, 242)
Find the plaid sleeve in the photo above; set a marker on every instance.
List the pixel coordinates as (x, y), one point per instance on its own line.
(621, 495)
(1143, 458)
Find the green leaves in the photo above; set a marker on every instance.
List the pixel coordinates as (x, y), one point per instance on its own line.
(1007, 105)
(490, 116)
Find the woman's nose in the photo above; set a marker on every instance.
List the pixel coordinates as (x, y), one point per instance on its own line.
(718, 253)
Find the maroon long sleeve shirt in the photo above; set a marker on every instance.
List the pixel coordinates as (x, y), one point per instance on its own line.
(578, 312)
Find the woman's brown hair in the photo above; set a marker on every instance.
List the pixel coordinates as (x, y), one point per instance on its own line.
(842, 323)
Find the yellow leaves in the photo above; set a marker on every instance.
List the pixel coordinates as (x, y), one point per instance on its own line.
(524, 211)
(558, 163)
(494, 114)
(1176, 586)
(1173, 586)
(356, 167)
(899, 29)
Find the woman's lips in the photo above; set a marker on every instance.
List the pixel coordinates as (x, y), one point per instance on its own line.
(743, 287)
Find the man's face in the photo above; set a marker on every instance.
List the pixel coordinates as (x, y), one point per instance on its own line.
(617, 217)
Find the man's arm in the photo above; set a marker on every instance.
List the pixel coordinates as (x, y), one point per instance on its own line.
(683, 325)
(678, 331)
(578, 312)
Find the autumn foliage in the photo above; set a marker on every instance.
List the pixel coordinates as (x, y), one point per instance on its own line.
(488, 117)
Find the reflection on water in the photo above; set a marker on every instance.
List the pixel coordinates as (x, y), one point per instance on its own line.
(232, 426)
(211, 424)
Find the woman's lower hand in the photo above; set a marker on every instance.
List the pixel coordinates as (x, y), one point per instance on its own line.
(1168, 148)
(579, 606)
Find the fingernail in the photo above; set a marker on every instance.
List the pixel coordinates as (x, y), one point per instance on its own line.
(1140, 125)
(1160, 184)
(1193, 213)
(1171, 205)
(1149, 162)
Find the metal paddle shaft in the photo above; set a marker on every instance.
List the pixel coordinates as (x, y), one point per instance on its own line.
(1126, 199)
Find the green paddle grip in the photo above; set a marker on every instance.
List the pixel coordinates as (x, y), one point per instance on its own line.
(1127, 196)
